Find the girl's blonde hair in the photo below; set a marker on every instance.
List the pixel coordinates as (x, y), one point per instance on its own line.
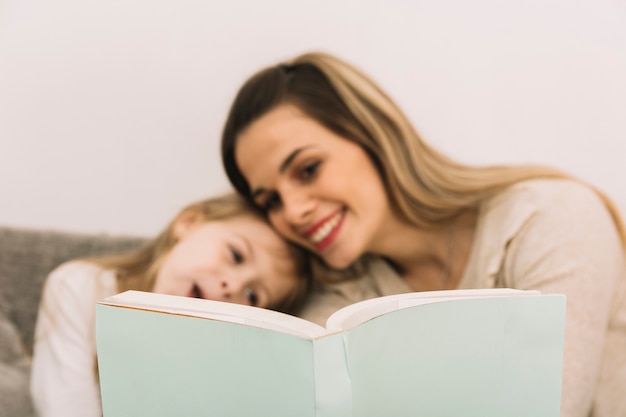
(137, 270)
(427, 188)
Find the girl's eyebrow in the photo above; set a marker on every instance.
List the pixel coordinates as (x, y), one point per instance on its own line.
(283, 167)
(249, 246)
(260, 285)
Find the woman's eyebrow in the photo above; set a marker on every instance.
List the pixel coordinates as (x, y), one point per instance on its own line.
(283, 167)
(289, 159)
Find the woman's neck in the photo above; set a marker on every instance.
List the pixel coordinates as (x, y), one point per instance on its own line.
(429, 260)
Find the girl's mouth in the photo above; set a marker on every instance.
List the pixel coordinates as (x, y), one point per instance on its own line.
(196, 292)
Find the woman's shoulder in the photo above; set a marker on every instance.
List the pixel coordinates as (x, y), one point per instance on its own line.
(565, 198)
(547, 192)
(544, 206)
(541, 213)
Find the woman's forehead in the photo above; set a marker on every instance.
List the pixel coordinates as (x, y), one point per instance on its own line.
(281, 128)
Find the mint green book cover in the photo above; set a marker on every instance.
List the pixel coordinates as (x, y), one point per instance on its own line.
(165, 365)
(489, 356)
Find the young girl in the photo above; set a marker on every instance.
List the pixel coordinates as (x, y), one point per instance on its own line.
(339, 170)
(217, 249)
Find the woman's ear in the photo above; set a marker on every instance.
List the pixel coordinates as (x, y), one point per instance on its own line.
(184, 223)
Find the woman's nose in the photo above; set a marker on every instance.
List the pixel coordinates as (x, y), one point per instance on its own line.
(297, 208)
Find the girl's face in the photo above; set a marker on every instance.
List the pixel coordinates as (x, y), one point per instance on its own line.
(320, 190)
(240, 260)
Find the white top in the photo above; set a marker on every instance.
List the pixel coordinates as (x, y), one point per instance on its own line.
(63, 379)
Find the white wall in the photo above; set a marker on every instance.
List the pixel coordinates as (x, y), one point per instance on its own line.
(111, 110)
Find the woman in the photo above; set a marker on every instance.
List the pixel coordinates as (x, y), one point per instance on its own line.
(217, 249)
(339, 170)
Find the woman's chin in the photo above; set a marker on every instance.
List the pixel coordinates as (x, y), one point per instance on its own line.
(338, 263)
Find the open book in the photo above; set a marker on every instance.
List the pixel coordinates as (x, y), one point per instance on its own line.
(481, 353)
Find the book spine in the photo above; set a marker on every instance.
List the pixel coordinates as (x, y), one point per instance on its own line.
(333, 387)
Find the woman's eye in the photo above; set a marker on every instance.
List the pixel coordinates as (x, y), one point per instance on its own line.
(271, 203)
(237, 256)
(309, 170)
(252, 298)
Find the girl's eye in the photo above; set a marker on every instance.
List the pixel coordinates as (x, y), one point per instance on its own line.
(237, 256)
(252, 298)
(271, 203)
(309, 170)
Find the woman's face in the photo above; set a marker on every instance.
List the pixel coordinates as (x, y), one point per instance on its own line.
(319, 190)
(240, 260)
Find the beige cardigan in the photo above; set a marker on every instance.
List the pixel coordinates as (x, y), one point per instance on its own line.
(555, 236)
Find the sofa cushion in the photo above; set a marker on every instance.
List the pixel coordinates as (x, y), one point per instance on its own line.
(26, 258)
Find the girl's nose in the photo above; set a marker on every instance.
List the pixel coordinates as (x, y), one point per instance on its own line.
(232, 288)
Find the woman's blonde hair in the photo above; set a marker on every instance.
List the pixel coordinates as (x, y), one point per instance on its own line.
(426, 188)
(137, 270)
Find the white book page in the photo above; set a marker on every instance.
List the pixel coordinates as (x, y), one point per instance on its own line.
(217, 310)
(355, 314)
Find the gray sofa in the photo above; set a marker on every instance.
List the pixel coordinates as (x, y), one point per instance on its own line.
(26, 258)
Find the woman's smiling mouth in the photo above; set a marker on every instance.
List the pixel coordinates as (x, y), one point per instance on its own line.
(324, 232)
